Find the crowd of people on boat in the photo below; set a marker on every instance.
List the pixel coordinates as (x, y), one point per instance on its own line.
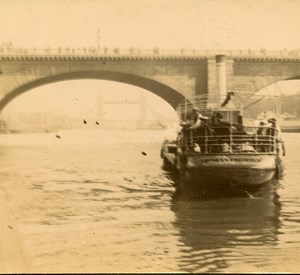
(196, 120)
(198, 128)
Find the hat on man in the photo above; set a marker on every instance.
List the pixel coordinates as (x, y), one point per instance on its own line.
(272, 120)
(203, 117)
(196, 109)
(218, 115)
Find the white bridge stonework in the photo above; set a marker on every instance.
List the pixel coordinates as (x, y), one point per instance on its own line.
(172, 75)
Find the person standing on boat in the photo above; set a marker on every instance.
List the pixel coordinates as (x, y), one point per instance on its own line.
(262, 133)
(200, 129)
(198, 118)
(192, 121)
(262, 129)
(221, 131)
(188, 122)
(192, 136)
(272, 132)
(218, 120)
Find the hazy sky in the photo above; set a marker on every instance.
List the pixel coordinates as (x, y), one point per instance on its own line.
(200, 24)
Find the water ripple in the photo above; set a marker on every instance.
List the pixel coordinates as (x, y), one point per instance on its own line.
(102, 205)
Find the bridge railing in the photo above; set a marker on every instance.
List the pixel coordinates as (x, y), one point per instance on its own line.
(91, 51)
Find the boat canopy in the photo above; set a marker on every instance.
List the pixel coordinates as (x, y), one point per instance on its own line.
(232, 107)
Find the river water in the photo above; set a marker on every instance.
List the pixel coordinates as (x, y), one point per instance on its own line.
(99, 201)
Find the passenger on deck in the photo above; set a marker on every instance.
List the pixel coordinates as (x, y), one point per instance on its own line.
(194, 119)
(262, 129)
(188, 122)
(272, 132)
(221, 128)
(197, 118)
(195, 130)
(218, 120)
(202, 132)
(204, 124)
(239, 128)
(263, 140)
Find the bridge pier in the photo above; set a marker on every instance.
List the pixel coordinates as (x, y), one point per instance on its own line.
(221, 77)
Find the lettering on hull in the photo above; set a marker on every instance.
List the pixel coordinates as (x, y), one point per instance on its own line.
(257, 162)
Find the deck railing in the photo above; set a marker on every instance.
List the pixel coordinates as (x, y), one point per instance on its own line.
(210, 140)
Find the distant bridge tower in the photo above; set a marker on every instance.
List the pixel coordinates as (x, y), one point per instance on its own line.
(140, 103)
(99, 107)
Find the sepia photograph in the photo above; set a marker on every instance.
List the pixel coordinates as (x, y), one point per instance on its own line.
(149, 136)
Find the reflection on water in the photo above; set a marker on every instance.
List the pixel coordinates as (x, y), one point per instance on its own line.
(93, 202)
(212, 229)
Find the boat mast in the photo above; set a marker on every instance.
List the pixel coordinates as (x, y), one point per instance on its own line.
(185, 109)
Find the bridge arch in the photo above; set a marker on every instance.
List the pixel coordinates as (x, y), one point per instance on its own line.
(168, 94)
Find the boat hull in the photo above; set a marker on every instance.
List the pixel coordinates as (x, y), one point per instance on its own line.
(238, 170)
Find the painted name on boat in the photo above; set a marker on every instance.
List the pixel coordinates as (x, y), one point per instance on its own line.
(231, 159)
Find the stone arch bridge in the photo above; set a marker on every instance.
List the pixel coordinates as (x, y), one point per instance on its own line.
(169, 74)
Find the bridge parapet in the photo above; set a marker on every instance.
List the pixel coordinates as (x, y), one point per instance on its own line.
(171, 74)
(147, 53)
